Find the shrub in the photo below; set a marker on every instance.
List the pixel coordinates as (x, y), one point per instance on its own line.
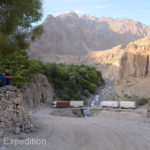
(142, 101)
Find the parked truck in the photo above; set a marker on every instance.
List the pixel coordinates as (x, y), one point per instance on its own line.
(60, 104)
(76, 103)
(111, 104)
(67, 104)
(128, 104)
(119, 104)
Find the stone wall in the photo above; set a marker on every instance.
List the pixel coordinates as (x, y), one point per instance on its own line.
(12, 114)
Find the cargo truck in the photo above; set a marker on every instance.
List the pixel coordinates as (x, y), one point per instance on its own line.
(128, 104)
(67, 104)
(111, 104)
(119, 104)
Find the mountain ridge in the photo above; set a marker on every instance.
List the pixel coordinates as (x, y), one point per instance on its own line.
(70, 34)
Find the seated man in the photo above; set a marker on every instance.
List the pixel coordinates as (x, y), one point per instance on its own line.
(2, 79)
(7, 76)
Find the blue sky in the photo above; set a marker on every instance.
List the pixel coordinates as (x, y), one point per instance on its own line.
(133, 9)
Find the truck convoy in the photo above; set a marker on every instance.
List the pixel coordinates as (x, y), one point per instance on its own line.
(104, 104)
(67, 104)
(119, 104)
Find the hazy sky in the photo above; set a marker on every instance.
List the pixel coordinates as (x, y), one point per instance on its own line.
(133, 9)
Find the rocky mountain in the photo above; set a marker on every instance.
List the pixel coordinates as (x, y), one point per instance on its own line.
(69, 34)
(134, 79)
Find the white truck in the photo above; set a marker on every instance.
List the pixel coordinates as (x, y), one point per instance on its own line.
(128, 104)
(119, 104)
(76, 103)
(111, 104)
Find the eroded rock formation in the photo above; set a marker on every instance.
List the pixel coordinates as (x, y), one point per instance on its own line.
(134, 79)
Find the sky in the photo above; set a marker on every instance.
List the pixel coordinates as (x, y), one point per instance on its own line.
(133, 9)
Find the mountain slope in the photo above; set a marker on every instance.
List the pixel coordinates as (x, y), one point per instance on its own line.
(69, 34)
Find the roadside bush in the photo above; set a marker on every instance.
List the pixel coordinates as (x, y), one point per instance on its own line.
(142, 101)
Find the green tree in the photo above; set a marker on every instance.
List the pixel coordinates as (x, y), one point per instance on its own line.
(16, 24)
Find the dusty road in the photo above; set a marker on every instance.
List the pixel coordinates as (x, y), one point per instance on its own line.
(106, 131)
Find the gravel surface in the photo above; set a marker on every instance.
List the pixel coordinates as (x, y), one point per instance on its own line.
(104, 131)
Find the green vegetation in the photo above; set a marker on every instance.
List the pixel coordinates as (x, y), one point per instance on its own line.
(20, 67)
(16, 32)
(73, 82)
(16, 20)
(142, 101)
(70, 82)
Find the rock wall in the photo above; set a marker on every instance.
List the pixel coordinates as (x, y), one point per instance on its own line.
(38, 92)
(12, 112)
(134, 79)
(136, 62)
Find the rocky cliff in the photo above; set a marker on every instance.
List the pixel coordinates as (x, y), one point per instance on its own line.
(134, 79)
(38, 92)
(69, 34)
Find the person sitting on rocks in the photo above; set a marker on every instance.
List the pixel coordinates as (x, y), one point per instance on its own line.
(2, 79)
(7, 77)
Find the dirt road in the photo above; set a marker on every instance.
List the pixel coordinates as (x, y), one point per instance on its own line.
(106, 131)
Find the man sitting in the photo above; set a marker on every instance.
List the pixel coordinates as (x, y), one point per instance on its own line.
(7, 77)
(2, 79)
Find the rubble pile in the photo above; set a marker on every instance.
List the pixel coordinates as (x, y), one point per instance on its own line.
(12, 114)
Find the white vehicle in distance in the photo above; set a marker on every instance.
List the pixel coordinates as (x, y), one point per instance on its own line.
(128, 104)
(119, 104)
(110, 104)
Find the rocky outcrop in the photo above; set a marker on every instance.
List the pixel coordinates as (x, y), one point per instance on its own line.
(136, 59)
(38, 92)
(134, 79)
(69, 34)
(12, 114)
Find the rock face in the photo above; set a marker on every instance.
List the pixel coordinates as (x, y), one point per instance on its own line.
(69, 34)
(38, 92)
(136, 61)
(135, 70)
(12, 112)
